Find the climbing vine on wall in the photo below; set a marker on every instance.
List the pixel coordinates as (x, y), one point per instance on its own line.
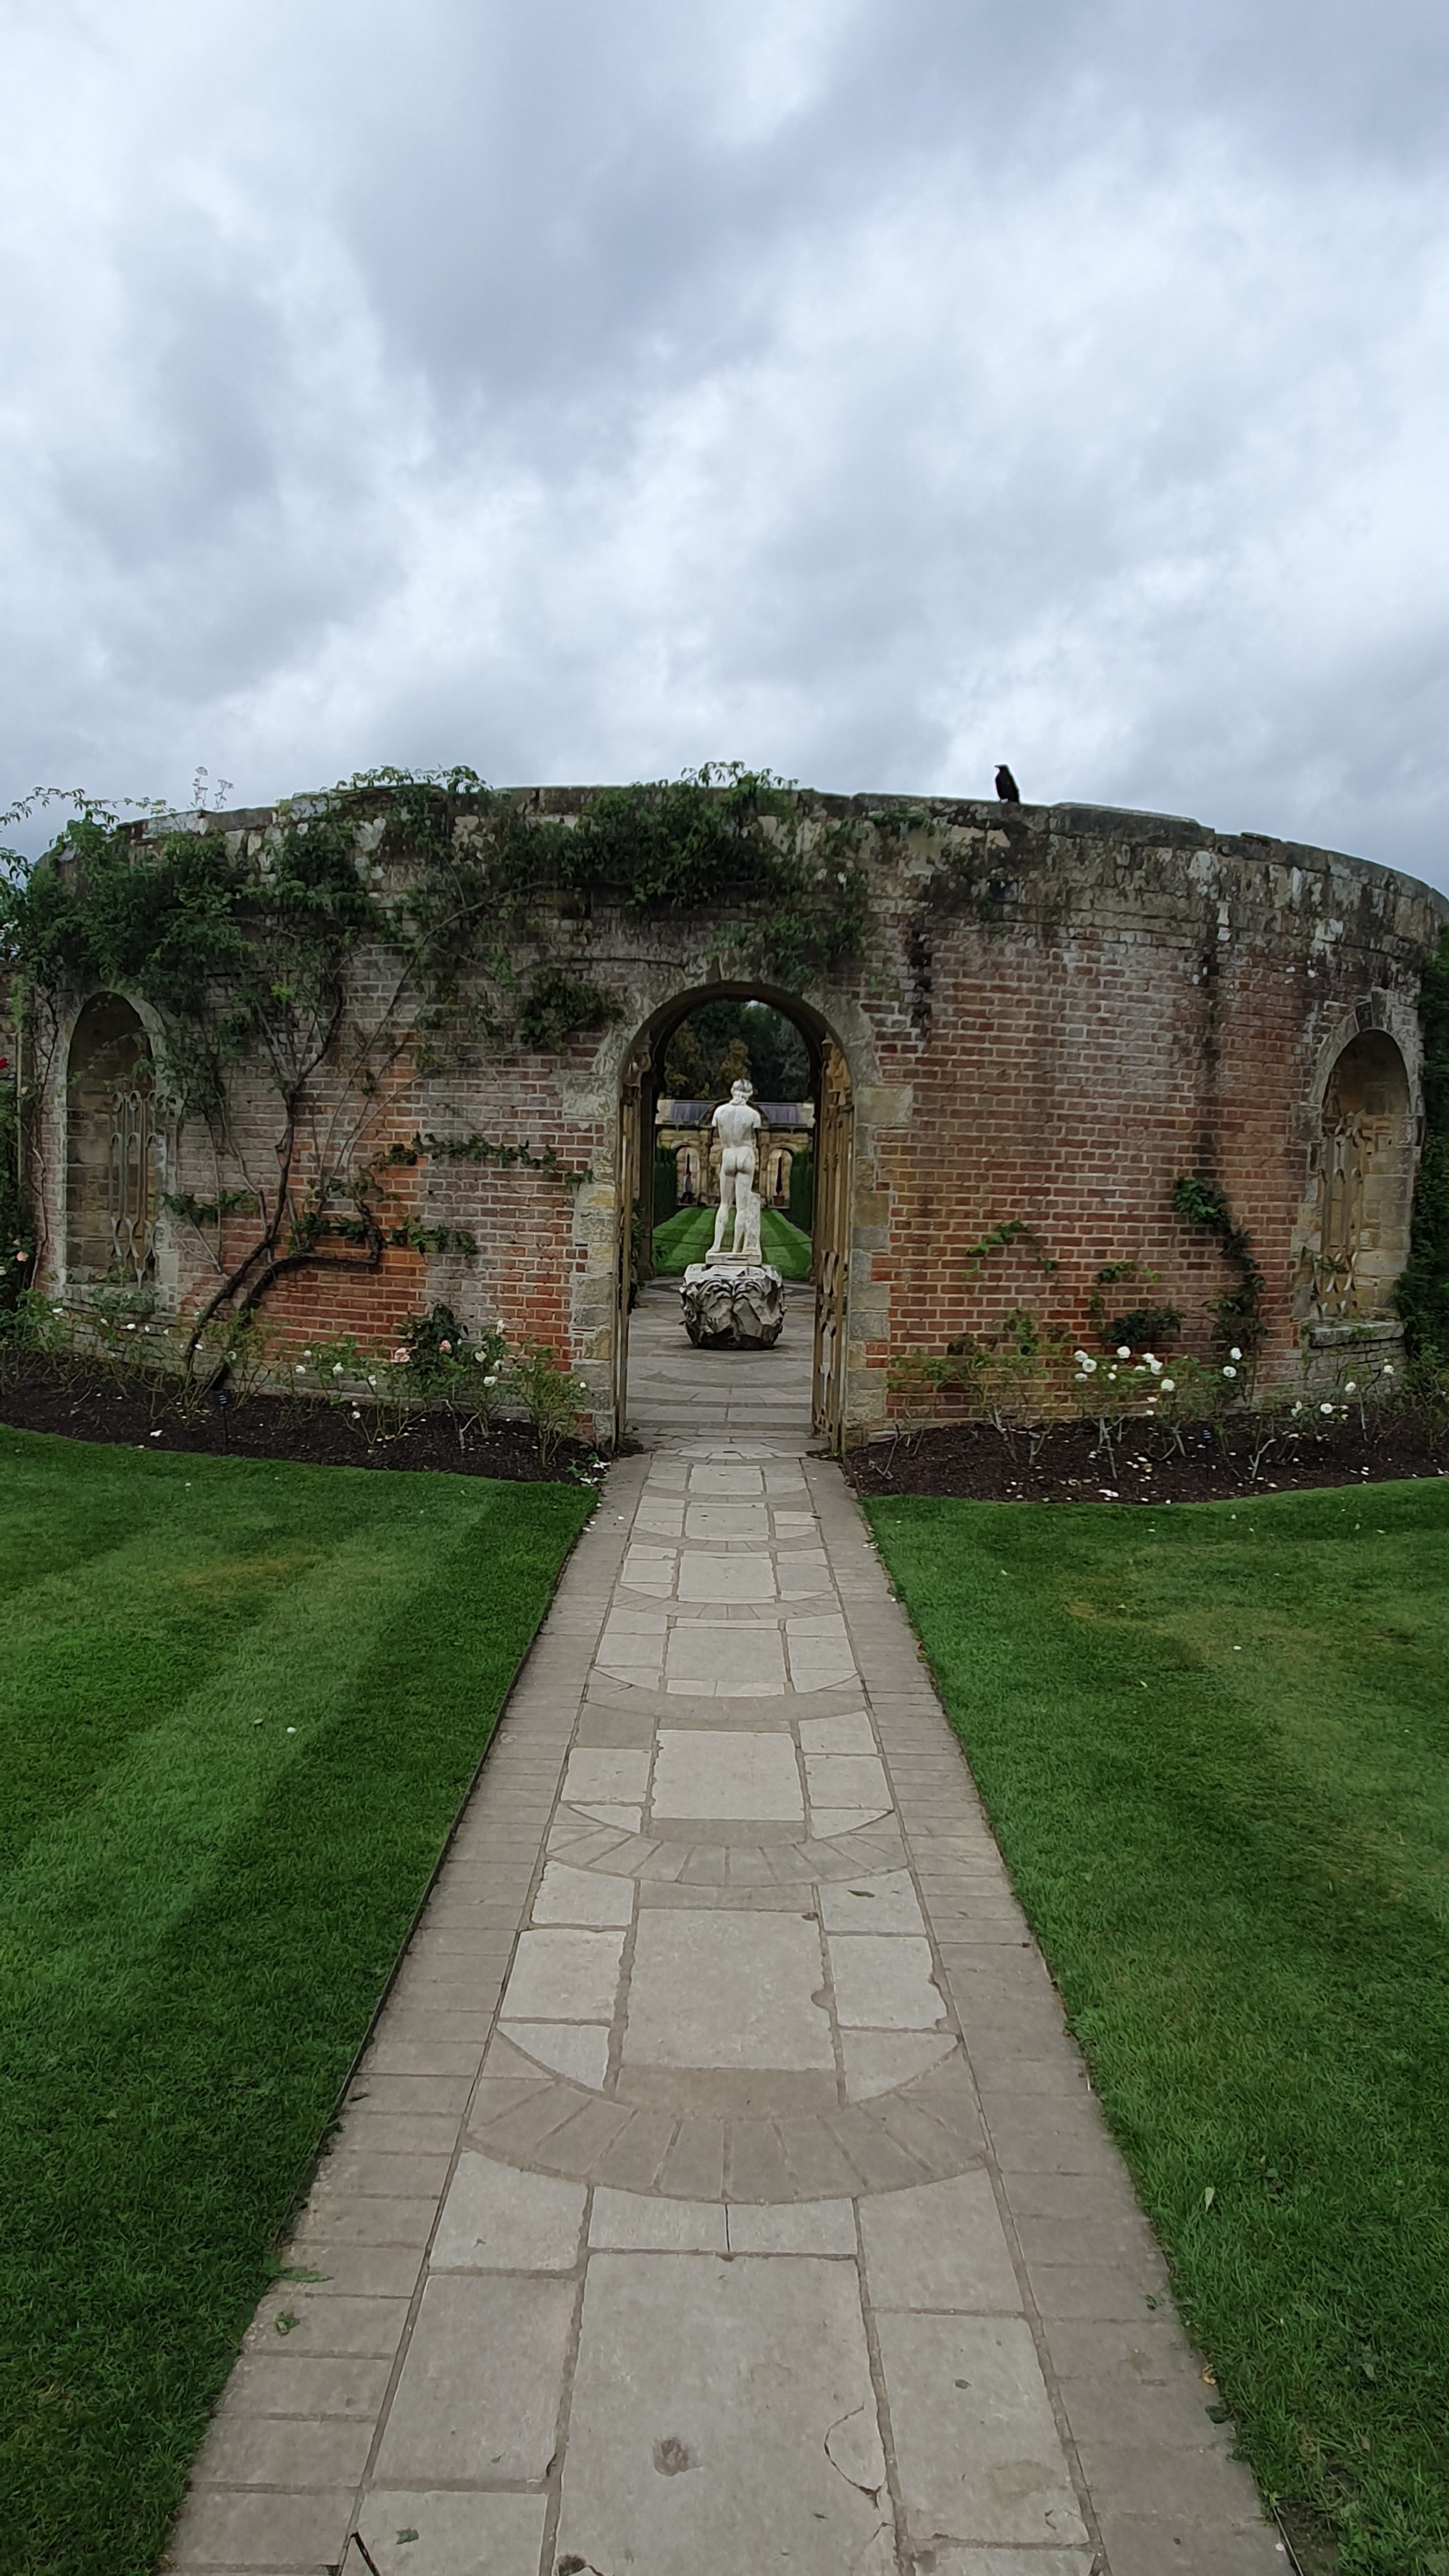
(485, 871)
(17, 1229)
(1142, 1327)
(477, 907)
(967, 1354)
(483, 1149)
(1423, 1290)
(1238, 1313)
(1012, 1229)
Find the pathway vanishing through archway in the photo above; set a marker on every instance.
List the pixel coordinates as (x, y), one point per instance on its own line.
(676, 1390)
(721, 2191)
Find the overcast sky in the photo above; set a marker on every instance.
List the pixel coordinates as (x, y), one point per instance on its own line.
(866, 389)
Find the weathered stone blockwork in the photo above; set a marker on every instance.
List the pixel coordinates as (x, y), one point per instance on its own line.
(1060, 1011)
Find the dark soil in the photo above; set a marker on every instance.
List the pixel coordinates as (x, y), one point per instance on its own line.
(980, 1464)
(85, 1404)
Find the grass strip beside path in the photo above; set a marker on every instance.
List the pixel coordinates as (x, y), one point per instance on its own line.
(240, 1703)
(1214, 1743)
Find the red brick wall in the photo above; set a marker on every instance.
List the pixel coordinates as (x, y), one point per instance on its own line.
(1061, 1011)
(1116, 1025)
(521, 1219)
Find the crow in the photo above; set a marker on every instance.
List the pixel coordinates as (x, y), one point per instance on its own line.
(1006, 786)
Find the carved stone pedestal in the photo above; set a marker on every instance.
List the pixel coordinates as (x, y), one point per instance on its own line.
(732, 1305)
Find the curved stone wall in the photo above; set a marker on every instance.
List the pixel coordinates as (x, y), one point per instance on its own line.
(1061, 1010)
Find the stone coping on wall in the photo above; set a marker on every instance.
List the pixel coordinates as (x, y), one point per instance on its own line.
(1337, 1337)
(1060, 821)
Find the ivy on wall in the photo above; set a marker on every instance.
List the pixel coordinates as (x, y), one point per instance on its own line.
(17, 1232)
(1238, 1313)
(485, 871)
(1423, 1290)
(477, 904)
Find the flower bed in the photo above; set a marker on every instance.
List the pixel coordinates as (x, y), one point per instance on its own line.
(1066, 1462)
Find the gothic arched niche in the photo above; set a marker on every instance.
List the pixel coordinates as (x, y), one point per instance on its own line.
(110, 1160)
(1366, 1177)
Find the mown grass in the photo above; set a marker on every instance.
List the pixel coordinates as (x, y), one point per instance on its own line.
(1214, 1743)
(239, 1706)
(686, 1237)
(784, 1245)
(681, 1239)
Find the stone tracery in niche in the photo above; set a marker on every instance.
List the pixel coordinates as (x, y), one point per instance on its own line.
(1365, 1179)
(111, 1145)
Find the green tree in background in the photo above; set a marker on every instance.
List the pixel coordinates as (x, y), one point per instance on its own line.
(725, 1042)
(802, 1190)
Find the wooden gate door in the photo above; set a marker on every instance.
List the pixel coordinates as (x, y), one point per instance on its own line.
(830, 1227)
(629, 1168)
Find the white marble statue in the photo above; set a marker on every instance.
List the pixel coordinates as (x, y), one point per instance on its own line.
(737, 1126)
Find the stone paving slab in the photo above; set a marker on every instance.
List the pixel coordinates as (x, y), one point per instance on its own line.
(721, 2189)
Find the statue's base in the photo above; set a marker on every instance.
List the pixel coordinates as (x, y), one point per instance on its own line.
(729, 1261)
(732, 1305)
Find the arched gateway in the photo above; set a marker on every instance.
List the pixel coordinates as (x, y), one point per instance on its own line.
(1026, 1025)
(834, 1122)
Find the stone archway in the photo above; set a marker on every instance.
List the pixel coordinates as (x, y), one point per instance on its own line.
(110, 1145)
(833, 1092)
(1366, 1178)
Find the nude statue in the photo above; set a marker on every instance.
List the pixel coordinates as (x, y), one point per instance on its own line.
(737, 1125)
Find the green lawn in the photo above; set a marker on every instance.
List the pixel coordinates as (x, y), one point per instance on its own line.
(682, 1239)
(685, 1238)
(784, 1245)
(239, 1706)
(1215, 1745)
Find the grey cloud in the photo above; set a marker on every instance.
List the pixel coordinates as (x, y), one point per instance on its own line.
(869, 391)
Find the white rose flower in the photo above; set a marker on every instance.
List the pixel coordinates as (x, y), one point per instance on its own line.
(1230, 1372)
(1325, 1408)
(1388, 1368)
(1235, 1354)
(1124, 1350)
(1352, 1387)
(1169, 1385)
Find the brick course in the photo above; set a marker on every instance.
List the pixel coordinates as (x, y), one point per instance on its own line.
(1061, 1010)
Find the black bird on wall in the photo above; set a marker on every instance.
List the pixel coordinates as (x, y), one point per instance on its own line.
(1006, 786)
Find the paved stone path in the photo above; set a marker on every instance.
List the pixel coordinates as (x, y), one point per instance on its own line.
(721, 2192)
